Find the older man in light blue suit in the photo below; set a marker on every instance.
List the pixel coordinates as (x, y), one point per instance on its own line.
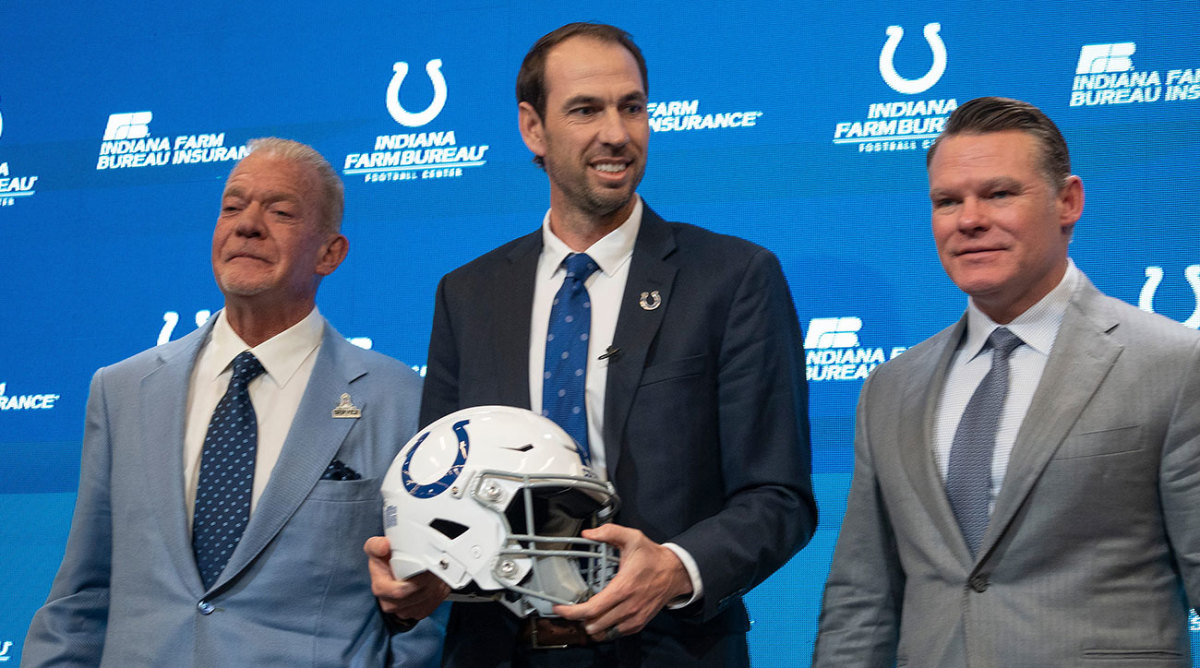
(329, 417)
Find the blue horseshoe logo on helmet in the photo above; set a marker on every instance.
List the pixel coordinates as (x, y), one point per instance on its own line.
(441, 484)
(413, 120)
(913, 86)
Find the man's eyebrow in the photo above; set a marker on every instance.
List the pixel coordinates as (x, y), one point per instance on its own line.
(269, 196)
(633, 96)
(580, 99)
(989, 184)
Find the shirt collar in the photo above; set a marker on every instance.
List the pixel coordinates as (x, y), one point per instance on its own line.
(281, 355)
(609, 253)
(1037, 326)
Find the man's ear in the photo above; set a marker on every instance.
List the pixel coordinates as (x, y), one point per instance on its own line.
(533, 131)
(332, 253)
(1070, 203)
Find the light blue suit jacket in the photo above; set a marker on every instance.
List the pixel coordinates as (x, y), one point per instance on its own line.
(296, 591)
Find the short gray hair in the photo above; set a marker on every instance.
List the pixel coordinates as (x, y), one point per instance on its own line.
(332, 192)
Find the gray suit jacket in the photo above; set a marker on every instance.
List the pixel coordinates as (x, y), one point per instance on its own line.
(1091, 556)
(296, 589)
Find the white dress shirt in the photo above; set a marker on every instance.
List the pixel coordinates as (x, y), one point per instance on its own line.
(1037, 327)
(287, 358)
(606, 286)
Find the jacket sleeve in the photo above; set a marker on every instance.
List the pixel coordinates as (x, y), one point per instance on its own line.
(769, 511)
(1179, 485)
(440, 395)
(860, 613)
(69, 629)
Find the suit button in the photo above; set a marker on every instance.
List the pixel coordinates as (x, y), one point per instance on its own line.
(979, 583)
(206, 607)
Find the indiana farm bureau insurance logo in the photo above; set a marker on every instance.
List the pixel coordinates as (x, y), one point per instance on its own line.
(1107, 75)
(833, 351)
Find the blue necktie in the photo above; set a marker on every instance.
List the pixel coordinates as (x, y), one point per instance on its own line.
(969, 473)
(565, 373)
(226, 473)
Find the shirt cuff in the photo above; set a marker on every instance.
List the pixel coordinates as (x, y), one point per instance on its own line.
(693, 571)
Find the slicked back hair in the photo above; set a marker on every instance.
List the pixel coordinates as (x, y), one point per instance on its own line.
(997, 114)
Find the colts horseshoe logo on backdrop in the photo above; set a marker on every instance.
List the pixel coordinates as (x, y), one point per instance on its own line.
(913, 86)
(413, 120)
(1154, 276)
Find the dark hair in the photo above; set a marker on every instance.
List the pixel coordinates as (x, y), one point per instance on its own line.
(997, 114)
(531, 78)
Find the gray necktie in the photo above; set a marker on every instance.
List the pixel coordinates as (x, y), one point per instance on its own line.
(969, 474)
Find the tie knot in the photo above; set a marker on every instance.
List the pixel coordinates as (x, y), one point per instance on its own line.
(1004, 342)
(580, 266)
(246, 367)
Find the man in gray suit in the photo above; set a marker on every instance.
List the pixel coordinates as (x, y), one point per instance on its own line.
(1027, 482)
(153, 574)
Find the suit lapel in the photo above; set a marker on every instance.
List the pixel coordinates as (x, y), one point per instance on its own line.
(637, 326)
(1082, 356)
(312, 442)
(162, 439)
(923, 392)
(512, 294)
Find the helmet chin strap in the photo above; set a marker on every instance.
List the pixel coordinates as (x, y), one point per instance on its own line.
(558, 577)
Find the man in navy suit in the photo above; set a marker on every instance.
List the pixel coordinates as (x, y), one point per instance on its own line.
(138, 586)
(695, 400)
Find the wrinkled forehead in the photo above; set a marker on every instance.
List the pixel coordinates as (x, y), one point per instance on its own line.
(264, 170)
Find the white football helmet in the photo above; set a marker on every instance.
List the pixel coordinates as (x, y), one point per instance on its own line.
(491, 500)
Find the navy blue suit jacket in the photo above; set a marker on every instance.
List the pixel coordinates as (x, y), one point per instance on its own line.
(706, 429)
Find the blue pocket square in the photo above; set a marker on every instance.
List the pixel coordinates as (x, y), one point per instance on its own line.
(339, 471)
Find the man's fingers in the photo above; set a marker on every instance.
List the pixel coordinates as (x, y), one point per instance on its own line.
(413, 598)
(378, 546)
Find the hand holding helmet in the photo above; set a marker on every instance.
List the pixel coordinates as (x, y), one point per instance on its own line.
(492, 500)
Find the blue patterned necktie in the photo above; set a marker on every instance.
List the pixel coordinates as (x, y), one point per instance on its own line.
(565, 373)
(226, 473)
(969, 473)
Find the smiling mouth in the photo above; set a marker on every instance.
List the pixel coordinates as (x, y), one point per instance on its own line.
(979, 251)
(610, 167)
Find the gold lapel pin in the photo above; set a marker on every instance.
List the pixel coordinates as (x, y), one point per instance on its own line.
(346, 408)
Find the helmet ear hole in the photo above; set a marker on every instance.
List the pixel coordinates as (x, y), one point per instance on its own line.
(448, 528)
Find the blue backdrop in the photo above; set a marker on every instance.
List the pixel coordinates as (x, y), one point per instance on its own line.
(800, 126)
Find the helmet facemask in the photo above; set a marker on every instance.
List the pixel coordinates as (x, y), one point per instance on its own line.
(549, 564)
